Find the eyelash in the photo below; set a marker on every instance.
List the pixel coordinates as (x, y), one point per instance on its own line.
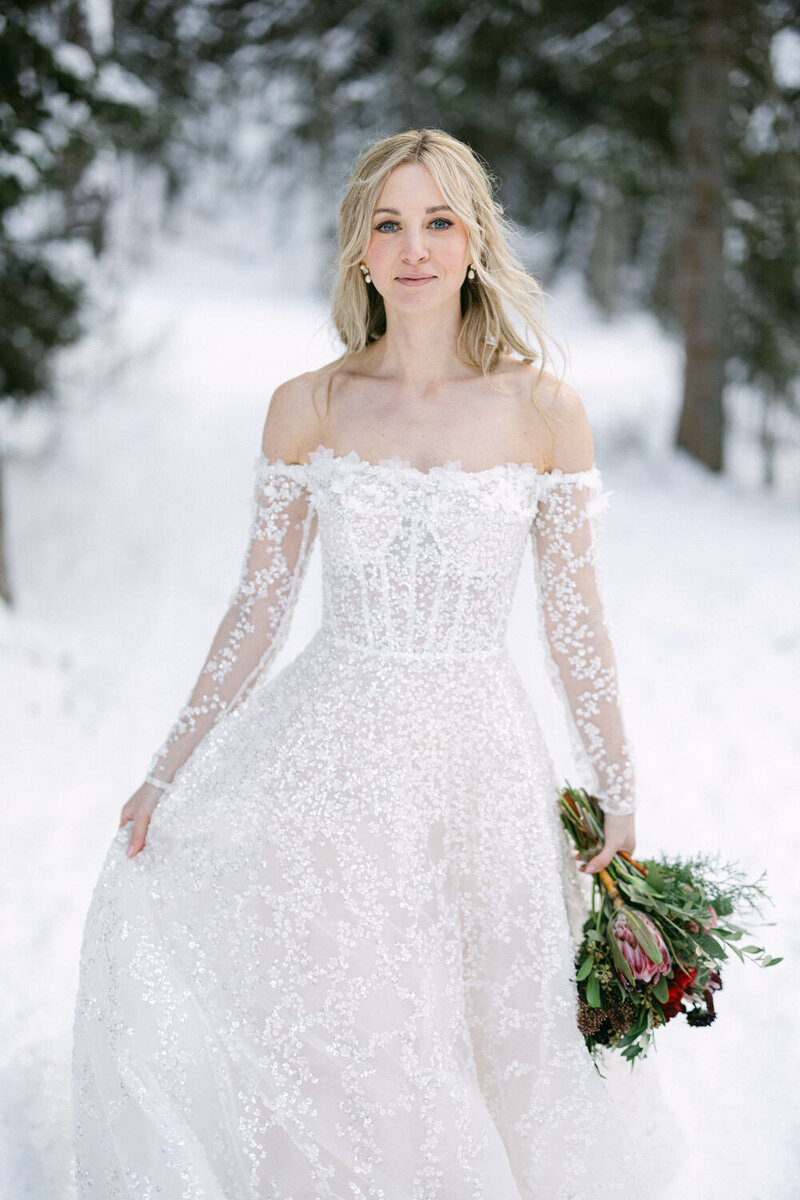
(379, 228)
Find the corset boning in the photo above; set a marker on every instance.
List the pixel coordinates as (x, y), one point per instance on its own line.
(434, 575)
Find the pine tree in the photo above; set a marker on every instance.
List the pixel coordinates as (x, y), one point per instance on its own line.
(56, 116)
(625, 133)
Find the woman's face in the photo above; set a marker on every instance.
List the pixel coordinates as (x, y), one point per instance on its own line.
(418, 251)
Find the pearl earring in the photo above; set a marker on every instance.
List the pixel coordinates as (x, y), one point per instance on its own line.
(471, 271)
(367, 276)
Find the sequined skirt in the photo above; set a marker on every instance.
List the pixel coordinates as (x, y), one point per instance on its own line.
(342, 965)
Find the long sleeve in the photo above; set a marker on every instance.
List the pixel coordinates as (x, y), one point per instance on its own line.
(282, 529)
(566, 536)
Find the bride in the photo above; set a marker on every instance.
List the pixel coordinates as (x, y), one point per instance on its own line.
(330, 950)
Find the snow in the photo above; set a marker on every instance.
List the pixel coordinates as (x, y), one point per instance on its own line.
(785, 55)
(100, 21)
(74, 59)
(117, 84)
(125, 536)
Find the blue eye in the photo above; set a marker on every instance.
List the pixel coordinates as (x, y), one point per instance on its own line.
(441, 223)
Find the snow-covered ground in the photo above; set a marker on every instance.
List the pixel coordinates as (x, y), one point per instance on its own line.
(125, 538)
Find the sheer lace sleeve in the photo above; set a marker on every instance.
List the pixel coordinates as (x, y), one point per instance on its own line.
(566, 535)
(282, 529)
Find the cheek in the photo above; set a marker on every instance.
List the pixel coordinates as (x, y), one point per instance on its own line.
(456, 251)
(379, 251)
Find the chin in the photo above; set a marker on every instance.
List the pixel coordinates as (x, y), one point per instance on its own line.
(421, 299)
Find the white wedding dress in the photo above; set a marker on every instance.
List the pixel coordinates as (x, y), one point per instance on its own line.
(342, 964)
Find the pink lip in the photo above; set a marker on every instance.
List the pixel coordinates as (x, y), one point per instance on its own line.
(414, 280)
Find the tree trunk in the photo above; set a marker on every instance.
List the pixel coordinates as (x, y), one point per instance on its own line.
(5, 586)
(701, 285)
(608, 252)
(768, 442)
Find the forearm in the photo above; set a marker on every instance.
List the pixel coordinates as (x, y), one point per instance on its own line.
(257, 618)
(577, 635)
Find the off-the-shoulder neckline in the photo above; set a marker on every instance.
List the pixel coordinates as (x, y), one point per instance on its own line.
(451, 466)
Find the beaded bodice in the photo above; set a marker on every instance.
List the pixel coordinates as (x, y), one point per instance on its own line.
(420, 562)
(423, 564)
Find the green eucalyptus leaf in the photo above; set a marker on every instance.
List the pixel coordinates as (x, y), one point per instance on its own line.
(655, 876)
(661, 990)
(593, 992)
(709, 943)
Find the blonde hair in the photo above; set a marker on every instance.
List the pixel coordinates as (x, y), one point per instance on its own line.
(501, 286)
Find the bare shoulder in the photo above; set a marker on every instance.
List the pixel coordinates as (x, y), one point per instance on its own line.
(572, 446)
(553, 426)
(292, 426)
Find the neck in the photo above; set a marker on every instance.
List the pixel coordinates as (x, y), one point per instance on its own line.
(418, 351)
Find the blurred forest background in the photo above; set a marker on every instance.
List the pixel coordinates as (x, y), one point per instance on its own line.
(653, 148)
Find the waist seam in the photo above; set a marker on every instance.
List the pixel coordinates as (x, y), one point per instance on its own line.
(499, 650)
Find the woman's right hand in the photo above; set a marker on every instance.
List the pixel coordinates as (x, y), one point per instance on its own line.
(139, 809)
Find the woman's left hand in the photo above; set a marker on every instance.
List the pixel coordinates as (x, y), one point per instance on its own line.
(620, 834)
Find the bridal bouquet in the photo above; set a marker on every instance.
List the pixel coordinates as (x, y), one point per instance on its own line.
(656, 937)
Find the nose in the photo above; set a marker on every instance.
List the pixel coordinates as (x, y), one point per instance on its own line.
(414, 250)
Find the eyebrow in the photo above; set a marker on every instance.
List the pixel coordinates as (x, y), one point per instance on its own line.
(396, 211)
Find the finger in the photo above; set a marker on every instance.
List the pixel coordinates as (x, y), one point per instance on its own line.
(584, 857)
(123, 820)
(140, 824)
(600, 860)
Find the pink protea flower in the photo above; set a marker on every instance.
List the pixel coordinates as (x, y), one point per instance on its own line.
(712, 918)
(641, 966)
(711, 921)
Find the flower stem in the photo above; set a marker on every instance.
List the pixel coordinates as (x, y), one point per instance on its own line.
(611, 888)
(624, 854)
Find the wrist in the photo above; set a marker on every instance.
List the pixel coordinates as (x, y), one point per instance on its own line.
(619, 820)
